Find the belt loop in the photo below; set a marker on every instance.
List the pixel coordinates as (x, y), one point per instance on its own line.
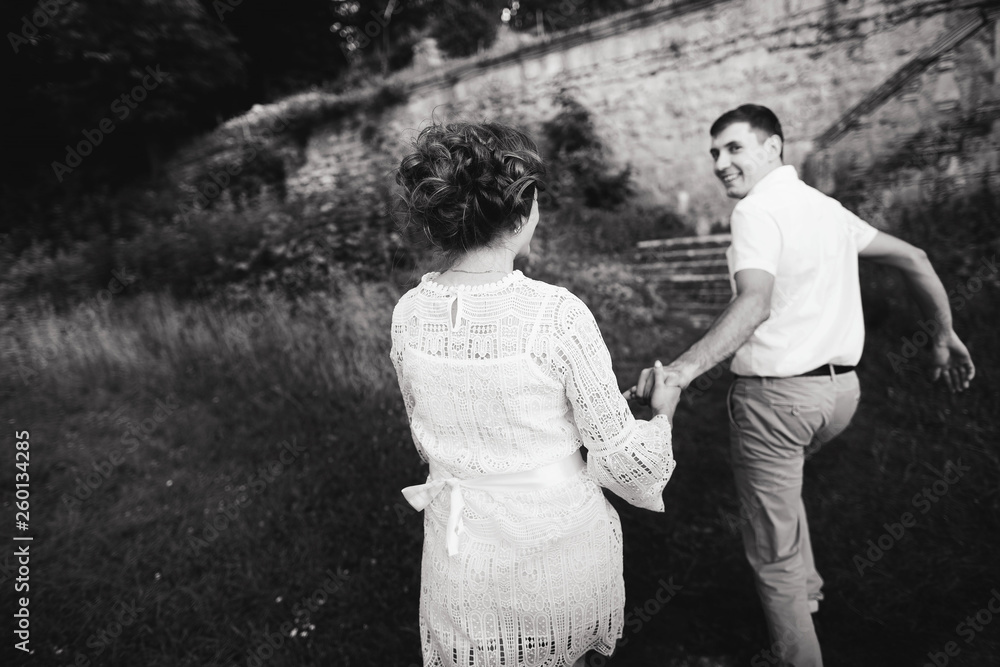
(833, 373)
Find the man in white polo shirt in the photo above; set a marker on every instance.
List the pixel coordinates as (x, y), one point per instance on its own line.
(796, 331)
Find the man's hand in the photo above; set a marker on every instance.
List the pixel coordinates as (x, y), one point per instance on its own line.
(675, 375)
(662, 392)
(750, 308)
(950, 359)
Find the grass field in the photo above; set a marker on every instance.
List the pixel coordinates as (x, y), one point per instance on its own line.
(213, 485)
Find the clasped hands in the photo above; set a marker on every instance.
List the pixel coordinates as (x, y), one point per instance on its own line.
(659, 387)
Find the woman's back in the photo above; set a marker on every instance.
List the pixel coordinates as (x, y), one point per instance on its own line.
(483, 370)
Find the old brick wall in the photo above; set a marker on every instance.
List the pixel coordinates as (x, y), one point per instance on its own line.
(656, 78)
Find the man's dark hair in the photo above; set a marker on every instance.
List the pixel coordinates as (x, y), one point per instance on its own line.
(761, 119)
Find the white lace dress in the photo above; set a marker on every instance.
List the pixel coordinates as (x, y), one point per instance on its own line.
(521, 378)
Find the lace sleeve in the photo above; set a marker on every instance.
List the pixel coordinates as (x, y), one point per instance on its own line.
(396, 356)
(633, 458)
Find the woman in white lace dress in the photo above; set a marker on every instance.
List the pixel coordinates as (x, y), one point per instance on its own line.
(504, 378)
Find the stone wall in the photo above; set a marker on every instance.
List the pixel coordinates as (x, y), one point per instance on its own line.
(655, 78)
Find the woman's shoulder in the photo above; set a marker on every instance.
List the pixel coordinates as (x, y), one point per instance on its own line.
(556, 299)
(406, 303)
(544, 289)
(562, 304)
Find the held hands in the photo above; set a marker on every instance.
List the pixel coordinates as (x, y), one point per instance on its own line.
(950, 359)
(660, 389)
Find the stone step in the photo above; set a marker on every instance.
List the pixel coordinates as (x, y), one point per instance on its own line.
(697, 241)
(668, 267)
(655, 254)
(687, 277)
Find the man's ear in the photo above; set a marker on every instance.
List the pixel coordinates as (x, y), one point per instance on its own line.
(774, 146)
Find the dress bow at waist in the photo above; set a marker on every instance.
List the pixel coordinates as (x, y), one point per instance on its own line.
(421, 495)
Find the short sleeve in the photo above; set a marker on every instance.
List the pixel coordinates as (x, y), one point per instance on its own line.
(756, 239)
(632, 458)
(861, 232)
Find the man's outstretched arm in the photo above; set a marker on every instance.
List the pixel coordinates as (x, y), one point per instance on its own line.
(949, 357)
(750, 308)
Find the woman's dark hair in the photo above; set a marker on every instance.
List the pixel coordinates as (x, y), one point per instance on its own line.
(466, 184)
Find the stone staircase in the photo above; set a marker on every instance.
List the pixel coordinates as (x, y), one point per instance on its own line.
(689, 273)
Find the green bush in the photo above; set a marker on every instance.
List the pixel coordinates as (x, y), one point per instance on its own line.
(578, 159)
(589, 205)
(241, 178)
(291, 247)
(956, 233)
(463, 29)
(575, 228)
(62, 274)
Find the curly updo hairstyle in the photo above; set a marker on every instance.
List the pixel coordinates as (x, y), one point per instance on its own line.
(465, 185)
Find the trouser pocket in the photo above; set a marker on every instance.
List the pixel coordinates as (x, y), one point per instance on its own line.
(795, 423)
(844, 407)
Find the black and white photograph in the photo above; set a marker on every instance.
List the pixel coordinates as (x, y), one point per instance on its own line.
(500, 333)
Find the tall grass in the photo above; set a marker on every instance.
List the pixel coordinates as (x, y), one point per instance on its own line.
(212, 577)
(229, 469)
(122, 524)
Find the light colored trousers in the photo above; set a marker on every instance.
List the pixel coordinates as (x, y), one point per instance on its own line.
(774, 425)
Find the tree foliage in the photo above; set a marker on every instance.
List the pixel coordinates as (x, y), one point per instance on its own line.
(581, 166)
(545, 16)
(465, 28)
(378, 35)
(86, 117)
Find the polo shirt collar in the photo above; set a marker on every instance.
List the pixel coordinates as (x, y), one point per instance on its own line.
(782, 175)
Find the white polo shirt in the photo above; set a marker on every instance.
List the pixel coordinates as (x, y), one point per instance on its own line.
(809, 242)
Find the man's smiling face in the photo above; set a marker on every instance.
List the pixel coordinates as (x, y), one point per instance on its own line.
(742, 158)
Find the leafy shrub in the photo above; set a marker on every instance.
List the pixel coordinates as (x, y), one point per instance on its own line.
(62, 274)
(631, 313)
(589, 205)
(956, 233)
(243, 177)
(580, 167)
(291, 247)
(463, 29)
(575, 228)
(305, 113)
